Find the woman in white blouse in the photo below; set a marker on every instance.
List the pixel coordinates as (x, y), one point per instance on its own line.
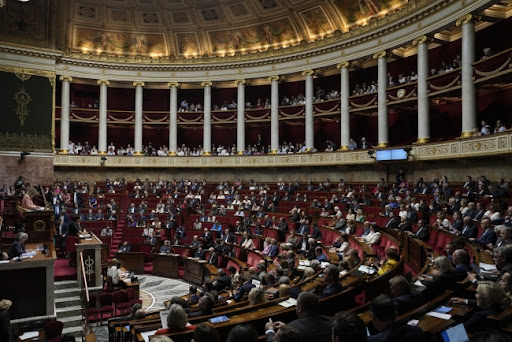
(350, 215)
(373, 236)
(247, 243)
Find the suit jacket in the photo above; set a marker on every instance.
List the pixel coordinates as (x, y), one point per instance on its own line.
(229, 238)
(406, 226)
(200, 254)
(408, 302)
(199, 313)
(314, 327)
(393, 223)
(274, 251)
(243, 290)
(478, 215)
(16, 249)
(469, 231)
(479, 322)
(488, 236)
(213, 259)
(422, 234)
(222, 282)
(399, 333)
(331, 289)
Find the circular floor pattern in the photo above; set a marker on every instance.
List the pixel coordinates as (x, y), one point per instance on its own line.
(155, 290)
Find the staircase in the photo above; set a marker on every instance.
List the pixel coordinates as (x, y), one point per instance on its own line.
(67, 307)
(118, 229)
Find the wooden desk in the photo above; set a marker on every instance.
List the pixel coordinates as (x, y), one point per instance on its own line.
(194, 270)
(132, 261)
(166, 265)
(91, 248)
(29, 284)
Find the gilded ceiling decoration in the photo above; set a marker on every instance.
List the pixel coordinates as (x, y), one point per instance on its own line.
(193, 28)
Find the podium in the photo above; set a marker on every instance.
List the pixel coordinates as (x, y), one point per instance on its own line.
(39, 225)
(90, 249)
(166, 265)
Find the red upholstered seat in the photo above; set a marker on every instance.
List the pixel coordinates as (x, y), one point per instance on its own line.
(106, 307)
(91, 309)
(130, 292)
(121, 301)
(53, 331)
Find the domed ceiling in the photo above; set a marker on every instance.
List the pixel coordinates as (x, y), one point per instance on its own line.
(187, 28)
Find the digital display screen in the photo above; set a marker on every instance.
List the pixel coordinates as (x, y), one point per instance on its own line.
(394, 154)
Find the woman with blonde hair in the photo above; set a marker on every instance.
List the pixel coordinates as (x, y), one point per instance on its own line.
(27, 202)
(176, 321)
(359, 215)
(392, 258)
(5, 320)
(256, 296)
(444, 278)
(490, 299)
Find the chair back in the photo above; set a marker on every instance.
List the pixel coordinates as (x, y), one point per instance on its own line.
(53, 329)
(92, 302)
(120, 297)
(106, 299)
(130, 293)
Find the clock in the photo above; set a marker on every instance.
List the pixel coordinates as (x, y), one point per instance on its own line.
(400, 93)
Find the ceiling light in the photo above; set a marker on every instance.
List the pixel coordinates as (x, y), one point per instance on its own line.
(23, 0)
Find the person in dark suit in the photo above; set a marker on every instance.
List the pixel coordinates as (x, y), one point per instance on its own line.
(469, 230)
(331, 279)
(18, 246)
(243, 290)
(421, 233)
(213, 258)
(479, 213)
(383, 317)
(461, 261)
(393, 221)
(405, 225)
(403, 299)
(207, 238)
(274, 249)
(488, 235)
(458, 222)
(205, 306)
(228, 237)
(312, 325)
(320, 256)
(223, 280)
(200, 253)
(444, 278)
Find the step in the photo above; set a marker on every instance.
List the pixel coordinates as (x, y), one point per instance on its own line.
(66, 284)
(67, 292)
(75, 331)
(68, 311)
(71, 321)
(67, 301)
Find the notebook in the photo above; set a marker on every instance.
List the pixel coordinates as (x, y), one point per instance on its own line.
(218, 319)
(455, 334)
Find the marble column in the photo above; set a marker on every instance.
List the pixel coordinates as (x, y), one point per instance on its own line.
(383, 129)
(138, 117)
(102, 127)
(274, 114)
(309, 120)
(468, 87)
(173, 118)
(64, 114)
(240, 117)
(344, 106)
(207, 121)
(422, 86)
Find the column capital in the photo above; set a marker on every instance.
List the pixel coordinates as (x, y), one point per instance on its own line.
(241, 82)
(468, 18)
(173, 85)
(66, 78)
(308, 73)
(206, 84)
(274, 78)
(139, 84)
(105, 82)
(343, 65)
(422, 40)
(380, 54)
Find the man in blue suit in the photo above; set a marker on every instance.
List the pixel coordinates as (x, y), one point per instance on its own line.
(488, 235)
(469, 230)
(331, 279)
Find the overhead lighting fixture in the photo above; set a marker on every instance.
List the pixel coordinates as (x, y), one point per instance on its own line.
(23, 0)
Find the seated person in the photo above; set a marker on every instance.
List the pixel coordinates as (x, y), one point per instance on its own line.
(107, 231)
(392, 259)
(244, 289)
(118, 275)
(223, 280)
(205, 306)
(403, 299)
(176, 321)
(125, 248)
(200, 253)
(27, 202)
(18, 246)
(320, 256)
(383, 315)
(166, 247)
(331, 279)
(444, 278)
(193, 297)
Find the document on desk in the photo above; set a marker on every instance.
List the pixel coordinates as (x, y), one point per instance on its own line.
(145, 335)
(487, 267)
(288, 303)
(455, 334)
(439, 315)
(366, 269)
(29, 334)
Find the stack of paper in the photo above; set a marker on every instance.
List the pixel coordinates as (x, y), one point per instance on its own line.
(289, 302)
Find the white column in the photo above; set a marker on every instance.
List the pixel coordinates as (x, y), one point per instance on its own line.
(274, 114)
(423, 100)
(138, 116)
(468, 87)
(345, 115)
(382, 98)
(173, 118)
(102, 127)
(240, 117)
(64, 114)
(207, 123)
(309, 120)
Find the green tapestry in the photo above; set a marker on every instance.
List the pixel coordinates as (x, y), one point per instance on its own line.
(27, 105)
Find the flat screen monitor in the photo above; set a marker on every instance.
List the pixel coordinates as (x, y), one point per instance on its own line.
(394, 154)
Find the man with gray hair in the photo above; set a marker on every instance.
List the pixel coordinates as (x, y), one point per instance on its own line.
(18, 246)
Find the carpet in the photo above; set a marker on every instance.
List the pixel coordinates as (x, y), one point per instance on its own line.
(62, 270)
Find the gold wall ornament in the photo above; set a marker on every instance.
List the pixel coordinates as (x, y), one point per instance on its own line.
(39, 226)
(22, 75)
(22, 98)
(21, 142)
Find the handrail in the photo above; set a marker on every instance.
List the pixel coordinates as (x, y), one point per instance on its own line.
(84, 279)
